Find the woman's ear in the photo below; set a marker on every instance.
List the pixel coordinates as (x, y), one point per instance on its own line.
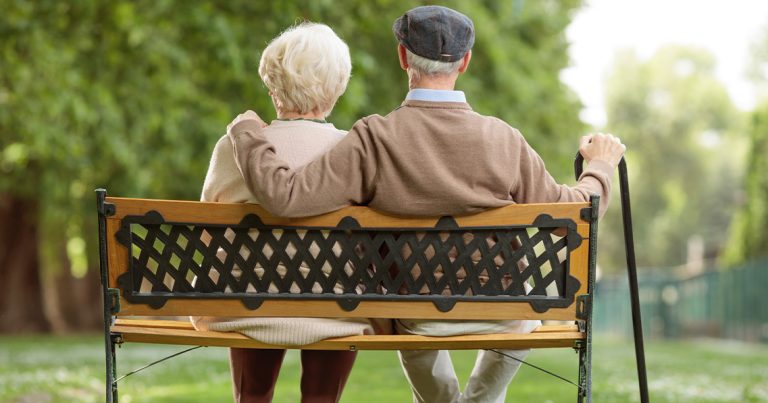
(275, 103)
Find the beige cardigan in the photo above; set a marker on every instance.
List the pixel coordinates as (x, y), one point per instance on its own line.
(424, 158)
(297, 142)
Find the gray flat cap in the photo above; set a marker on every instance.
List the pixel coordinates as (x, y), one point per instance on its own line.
(435, 32)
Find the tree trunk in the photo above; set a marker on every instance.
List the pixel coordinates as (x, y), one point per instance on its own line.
(88, 291)
(78, 300)
(21, 307)
(88, 288)
(72, 304)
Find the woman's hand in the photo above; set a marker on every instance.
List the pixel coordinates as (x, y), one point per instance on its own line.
(247, 115)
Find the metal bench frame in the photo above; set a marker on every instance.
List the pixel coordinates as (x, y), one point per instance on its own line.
(134, 286)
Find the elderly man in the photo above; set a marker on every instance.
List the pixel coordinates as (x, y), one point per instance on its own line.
(431, 156)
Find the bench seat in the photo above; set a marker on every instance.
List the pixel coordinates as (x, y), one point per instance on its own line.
(182, 333)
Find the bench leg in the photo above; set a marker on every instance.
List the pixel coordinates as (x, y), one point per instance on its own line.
(585, 314)
(109, 298)
(111, 368)
(585, 371)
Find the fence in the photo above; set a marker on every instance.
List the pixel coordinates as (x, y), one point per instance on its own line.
(729, 303)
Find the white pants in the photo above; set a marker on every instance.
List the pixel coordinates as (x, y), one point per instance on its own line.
(431, 373)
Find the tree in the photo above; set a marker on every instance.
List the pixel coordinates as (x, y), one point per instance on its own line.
(757, 67)
(749, 238)
(682, 133)
(132, 96)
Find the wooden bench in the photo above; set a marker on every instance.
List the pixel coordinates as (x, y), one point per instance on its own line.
(163, 258)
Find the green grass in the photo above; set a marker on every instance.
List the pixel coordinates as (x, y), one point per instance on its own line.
(70, 369)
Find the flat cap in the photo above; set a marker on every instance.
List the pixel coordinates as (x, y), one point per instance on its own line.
(435, 32)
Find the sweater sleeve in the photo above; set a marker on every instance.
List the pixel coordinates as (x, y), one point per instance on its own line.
(536, 185)
(223, 182)
(339, 178)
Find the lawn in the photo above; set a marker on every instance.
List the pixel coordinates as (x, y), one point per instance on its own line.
(70, 369)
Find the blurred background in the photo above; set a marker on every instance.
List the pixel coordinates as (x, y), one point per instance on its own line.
(132, 96)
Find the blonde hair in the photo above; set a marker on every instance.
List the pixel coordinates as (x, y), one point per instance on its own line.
(306, 68)
(419, 66)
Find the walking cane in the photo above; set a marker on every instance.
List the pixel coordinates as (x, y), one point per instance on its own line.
(629, 245)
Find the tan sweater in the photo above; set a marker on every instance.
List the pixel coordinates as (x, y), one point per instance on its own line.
(424, 158)
(297, 142)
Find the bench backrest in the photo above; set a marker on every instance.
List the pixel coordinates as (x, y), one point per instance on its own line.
(172, 258)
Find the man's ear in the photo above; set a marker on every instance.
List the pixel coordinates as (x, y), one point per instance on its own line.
(402, 56)
(465, 62)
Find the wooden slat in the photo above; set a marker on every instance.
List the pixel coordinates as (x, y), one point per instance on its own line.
(579, 263)
(557, 328)
(179, 324)
(366, 309)
(117, 254)
(232, 213)
(187, 336)
(155, 323)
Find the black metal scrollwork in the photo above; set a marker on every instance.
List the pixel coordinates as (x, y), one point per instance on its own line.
(253, 262)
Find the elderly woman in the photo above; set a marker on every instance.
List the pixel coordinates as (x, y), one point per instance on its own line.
(306, 69)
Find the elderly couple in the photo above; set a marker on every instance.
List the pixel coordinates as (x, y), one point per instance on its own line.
(431, 156)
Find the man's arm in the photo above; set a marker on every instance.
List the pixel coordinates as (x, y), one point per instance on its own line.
(339, 178)
(536, 185)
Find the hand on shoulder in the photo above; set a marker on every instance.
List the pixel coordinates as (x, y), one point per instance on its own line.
(247, 115)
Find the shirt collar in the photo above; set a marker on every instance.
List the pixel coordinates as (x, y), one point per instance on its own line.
(423, 94)
(298, 122)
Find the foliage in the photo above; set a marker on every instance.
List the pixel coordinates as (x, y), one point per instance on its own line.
(757, 67)
(683, 136)
(749, 238)
(132, 95)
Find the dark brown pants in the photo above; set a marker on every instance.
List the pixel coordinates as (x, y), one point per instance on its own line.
(323, 374)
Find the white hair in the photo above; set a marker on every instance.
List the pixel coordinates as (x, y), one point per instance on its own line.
(419, 66)
(306, 69)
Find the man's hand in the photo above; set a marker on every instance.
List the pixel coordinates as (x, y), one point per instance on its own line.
(247, 115)
(599, 146)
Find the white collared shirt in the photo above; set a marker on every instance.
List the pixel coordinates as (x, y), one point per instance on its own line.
(423, 94)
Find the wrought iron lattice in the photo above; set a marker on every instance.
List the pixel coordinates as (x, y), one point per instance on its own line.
(252, 262)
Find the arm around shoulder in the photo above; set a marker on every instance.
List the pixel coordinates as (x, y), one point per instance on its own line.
(341, 177)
